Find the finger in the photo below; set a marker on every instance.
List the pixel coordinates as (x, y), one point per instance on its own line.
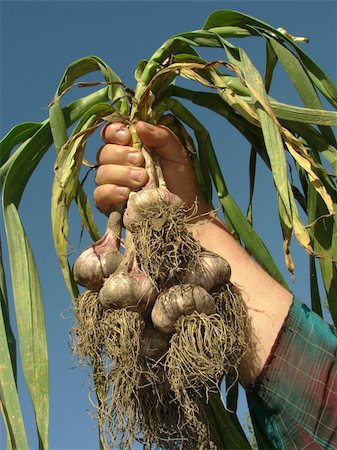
(116, 133)
(131, 177)
(176, 165)
(164, 141)
(119, 154)
(108, 195)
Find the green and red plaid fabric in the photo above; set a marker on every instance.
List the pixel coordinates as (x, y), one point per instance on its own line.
(295, 397)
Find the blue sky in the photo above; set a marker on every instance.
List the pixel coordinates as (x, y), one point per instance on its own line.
(38, 41)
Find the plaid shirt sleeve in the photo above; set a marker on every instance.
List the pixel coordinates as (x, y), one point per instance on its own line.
(295, 397)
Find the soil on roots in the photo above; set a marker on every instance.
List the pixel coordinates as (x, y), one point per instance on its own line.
(118, 418)
(86, 334)
(203, 350)
(159, 401)
(206, 347)
(109, 342)
(231, 308)
(163, 418)
(135, 399)
(164, 246)
(158, 411)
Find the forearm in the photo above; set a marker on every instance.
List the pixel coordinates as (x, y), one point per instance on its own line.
(266, 300)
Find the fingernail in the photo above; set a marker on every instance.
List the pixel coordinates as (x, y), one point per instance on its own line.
(122, 191)
(121, 133)
(136, 175)
(133, 157)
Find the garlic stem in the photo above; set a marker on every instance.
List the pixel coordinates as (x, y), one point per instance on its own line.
(114, 222)
(152, 161)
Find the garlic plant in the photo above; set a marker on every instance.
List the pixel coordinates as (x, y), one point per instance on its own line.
(232, 88)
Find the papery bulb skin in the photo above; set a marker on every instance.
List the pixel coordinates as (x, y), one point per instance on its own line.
(209, 270)
(153, 344)
(180, 300)
(142, 203)
(133, 291)
(97, 262)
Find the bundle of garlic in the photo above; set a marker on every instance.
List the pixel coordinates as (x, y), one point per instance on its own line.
(160, 324)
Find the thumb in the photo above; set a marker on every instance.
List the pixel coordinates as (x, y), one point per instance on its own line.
(164, 141)
(176, 165)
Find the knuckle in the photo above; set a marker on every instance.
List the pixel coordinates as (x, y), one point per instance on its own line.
(112, 154)
(99, 176)
(99, 155)
(97, 198)
(103, 198)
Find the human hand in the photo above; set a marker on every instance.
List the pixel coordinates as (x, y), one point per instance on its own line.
(266, 300)
(121, 168)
